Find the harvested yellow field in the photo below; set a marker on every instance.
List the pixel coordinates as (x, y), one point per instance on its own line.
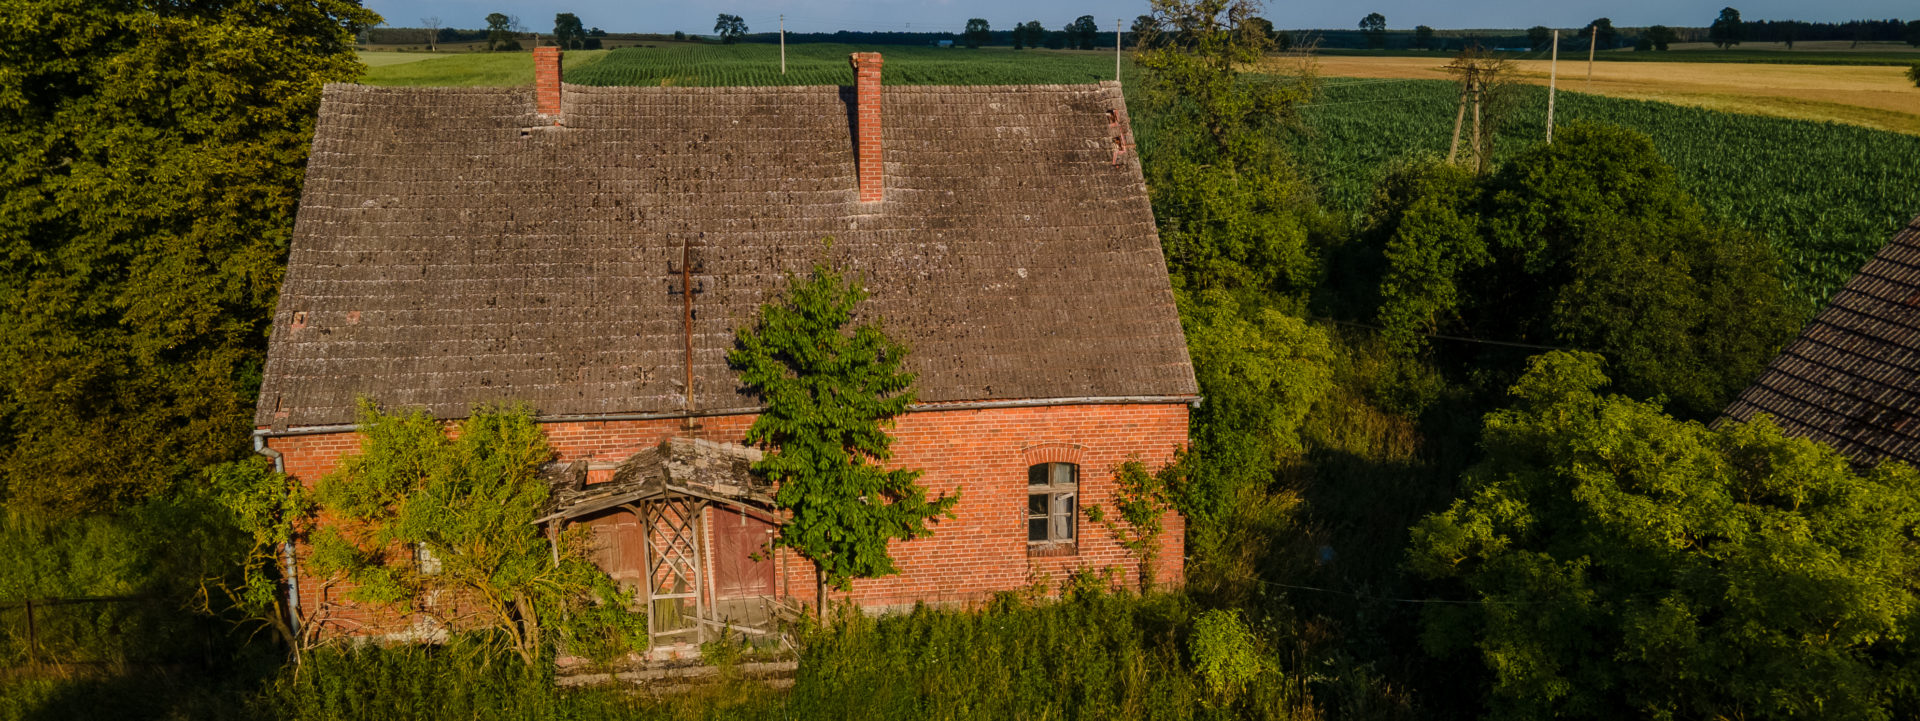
(1878, 97)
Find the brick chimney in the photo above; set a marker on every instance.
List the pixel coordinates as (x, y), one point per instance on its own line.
(546, 81)
(866, 132)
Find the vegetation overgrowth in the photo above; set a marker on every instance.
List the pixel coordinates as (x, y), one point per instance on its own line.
(1826, 195)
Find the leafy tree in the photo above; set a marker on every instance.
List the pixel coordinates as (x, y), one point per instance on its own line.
(1085, 32)
(150, 163)
(1032, 32)
(830, 393)
(1143, 27)
(1662, 36)
(1260, 370)
(567, 31)
(1600, 32)
(1539, 37)
(464, 507)
(1374, 27)
(1240, 214)
(1913, 73)
(1727, 30)
(268, 510)
(730, 27)
(1912, 33)
(498, 32)
(1588, 242)
(680, 35)
(1261, 26)
(978, 32)
(1630, 565)
(1789, 30)
(1423, 37)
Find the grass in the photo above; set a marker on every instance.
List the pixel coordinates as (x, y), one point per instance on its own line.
(747, 64)
(1878, 97)
(1097, 655)
(466, 69)
(1809, 53)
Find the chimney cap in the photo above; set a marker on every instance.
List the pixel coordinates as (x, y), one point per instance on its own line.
(862, 60)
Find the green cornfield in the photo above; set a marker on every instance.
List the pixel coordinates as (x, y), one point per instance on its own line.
(1827, 195)
(826, 64)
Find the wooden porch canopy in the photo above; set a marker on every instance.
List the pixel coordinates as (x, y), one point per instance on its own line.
(668, 489)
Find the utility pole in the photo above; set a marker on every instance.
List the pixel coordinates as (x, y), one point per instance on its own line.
(1592, 45)
(1453, 148)
(1116, 48)
(783, 44)
(1553, 78)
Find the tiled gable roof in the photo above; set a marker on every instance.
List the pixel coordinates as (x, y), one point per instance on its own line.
(1852, 378)
(454, 248)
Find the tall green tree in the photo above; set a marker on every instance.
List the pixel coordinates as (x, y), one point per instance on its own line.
(1423, 37)
(1374, 28)
(568, 33)
(1539, 37)
(1590, 243)
(1662, 36)
(1085, 32)
(1625, 564)
(730, 27)
(444, 527)
(499, 30)
(978, 32)
(1232, 214)
(1600, 32)
(1727, 30)
(831, 389)
(150, 164)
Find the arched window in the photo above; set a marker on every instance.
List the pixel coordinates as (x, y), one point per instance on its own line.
(1053, 504)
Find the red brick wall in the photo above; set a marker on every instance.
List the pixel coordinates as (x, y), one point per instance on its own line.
(981, 454)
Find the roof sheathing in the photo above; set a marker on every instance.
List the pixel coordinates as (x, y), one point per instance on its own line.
(450, 251)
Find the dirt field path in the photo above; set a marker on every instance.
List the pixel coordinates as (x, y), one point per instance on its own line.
(1878, 97)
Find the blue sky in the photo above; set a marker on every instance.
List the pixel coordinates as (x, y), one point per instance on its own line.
(951, 15)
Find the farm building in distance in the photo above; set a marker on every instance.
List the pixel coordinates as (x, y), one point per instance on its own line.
(1852, 378)
(590, 251)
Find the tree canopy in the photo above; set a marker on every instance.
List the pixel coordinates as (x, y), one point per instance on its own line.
(1374, 27)
(463, 507)
(730, 27)
(1727, 30)
(978, 32)
(568, 33)
(1629, 565)
(1085, 32)
(151, 157)
(831, 389)
(1587, 242)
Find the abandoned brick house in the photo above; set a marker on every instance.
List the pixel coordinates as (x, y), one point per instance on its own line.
(590, 252)
(1851, 379)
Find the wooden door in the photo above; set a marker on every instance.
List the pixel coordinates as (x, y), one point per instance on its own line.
(737, 539)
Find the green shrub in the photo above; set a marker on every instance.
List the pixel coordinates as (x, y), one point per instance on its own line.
(1226, 656)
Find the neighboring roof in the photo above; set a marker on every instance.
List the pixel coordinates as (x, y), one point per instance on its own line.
(1852, 378)
(453, 248)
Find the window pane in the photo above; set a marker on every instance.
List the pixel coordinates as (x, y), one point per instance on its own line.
(1037, 504)
(1065, 508)
(1037, 529)
(1063, 474)
(1037, 475)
